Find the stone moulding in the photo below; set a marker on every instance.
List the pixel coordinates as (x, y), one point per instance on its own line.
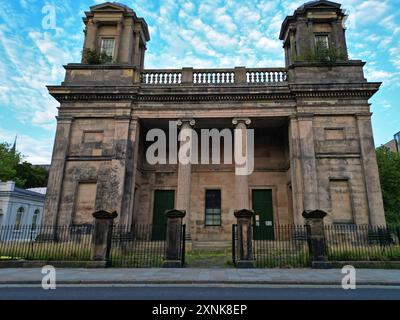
(213, 97)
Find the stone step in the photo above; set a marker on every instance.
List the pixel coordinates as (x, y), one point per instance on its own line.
(212, 245)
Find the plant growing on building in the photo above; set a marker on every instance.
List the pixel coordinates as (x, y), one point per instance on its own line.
(321, 53)
(94, 57)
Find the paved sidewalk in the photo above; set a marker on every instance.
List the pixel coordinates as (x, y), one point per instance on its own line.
(201, 276)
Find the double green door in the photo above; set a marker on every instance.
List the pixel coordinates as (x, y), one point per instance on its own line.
(163, 201)
(264, 216)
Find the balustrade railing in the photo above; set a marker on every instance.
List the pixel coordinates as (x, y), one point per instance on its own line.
(161, 77)
(203, 77)
(266, 76)
(213, 77)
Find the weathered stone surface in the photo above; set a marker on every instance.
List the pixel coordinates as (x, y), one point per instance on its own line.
(313, 137)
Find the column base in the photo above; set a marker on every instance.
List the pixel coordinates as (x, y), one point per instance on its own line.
(245, 264)
(172, 264)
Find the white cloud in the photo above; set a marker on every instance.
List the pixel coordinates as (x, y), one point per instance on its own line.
(35, 150)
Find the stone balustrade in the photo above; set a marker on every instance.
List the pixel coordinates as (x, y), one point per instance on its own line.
(266, 76)
(161, 77)
(122, 74)
(203, 77)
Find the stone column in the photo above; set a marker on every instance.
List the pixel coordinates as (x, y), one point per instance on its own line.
(90, 37)
(131, 170)
(173, 257)
(137, 48)
(295, 171)
(184, 176)
(308, 162)
(56, 175)
(316, 236)
(245, 238)
(102, 235)
(111, 176)
(371, 173)
(241, 180)
(118, 40)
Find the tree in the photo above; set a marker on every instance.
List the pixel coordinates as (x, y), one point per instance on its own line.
(9, 160)
(389, 172)
(24, 174)
(33, 176)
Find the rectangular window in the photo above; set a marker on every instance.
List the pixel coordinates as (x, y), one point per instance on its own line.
(213, 208)
(334, 134)
(107, 47)
(85, 202)
(341, 201)
(322, 42)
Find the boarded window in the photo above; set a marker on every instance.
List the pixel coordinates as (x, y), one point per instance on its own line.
(341, 201)
(93, 141)
(334, 134)
(85, 202)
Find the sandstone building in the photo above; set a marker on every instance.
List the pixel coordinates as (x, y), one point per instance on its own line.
(314, 146)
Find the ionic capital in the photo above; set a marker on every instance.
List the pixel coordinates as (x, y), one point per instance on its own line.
(190, 122)
(246, 121)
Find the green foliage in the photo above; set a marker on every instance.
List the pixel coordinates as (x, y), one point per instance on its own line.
(23, 173)
(389, 172)
(9, 161)
(320, 54)
(33, 176)
(94, 57)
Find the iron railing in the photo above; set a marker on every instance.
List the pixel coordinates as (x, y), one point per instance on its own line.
(362, 243)
(138, 246)
(46, 243)
(283, 246)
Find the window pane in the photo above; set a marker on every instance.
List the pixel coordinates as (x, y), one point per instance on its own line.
(107, 47)
(322, 40)
(213, 208)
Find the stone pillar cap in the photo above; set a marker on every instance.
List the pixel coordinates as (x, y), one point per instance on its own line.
(102, 214)
(314, 214)
(175, 213)
(244, 213)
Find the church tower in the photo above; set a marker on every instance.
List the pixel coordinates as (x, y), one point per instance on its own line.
(115, 34)
(315, 32)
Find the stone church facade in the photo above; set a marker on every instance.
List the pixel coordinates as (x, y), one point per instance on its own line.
(314, 146)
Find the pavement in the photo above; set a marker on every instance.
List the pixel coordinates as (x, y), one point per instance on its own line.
(200, 276)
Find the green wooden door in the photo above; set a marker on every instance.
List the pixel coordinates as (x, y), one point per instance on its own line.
(163, 201)
(264, 216)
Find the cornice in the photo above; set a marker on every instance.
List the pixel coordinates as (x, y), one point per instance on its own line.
(295, 91)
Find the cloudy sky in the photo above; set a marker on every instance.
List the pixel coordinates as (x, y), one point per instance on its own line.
(206, 33)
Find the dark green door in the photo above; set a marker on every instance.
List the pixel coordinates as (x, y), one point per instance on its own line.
(163, 201)
(264, 216)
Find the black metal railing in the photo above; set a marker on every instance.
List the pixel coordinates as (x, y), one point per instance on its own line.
(283, 246)
(362, 243)
(138, 246)
(234, 244)
(46, 243)
(183, 245)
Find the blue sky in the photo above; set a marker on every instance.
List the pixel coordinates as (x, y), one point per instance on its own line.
(207, 33)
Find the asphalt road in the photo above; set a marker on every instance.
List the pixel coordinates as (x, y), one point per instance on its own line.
(198, 293)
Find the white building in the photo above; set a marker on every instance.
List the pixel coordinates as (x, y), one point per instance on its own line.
(19, 206)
